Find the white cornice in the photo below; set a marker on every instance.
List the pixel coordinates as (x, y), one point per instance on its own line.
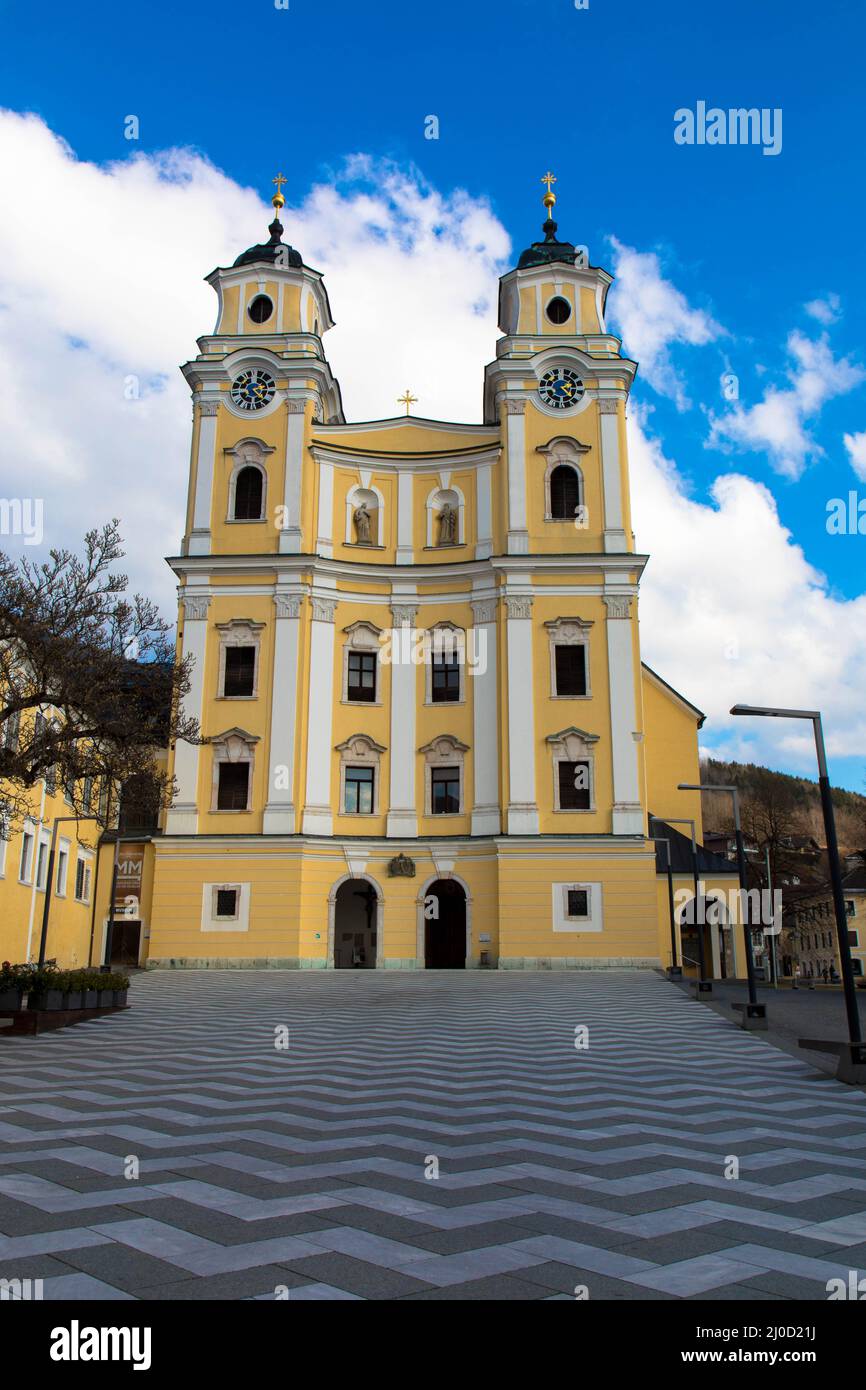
(414, 463)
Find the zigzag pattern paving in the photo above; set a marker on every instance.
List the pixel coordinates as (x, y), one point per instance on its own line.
(310, 1172)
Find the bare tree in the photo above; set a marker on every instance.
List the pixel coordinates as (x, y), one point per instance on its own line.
(90, 688)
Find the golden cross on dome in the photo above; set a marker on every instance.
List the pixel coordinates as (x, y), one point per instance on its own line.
(407, 400)
(278, 200)
(549, 199)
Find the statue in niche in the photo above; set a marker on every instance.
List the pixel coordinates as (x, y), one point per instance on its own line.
(362, 521)
(447, 525)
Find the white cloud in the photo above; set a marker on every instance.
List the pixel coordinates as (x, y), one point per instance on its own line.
(826, 310)
(104, 283)
(732, 611)
(777, 424)
(856, 446)
(653, 315)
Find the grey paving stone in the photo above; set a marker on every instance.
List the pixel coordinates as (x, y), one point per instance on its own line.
(499, 1288)
(566, 1278)
(246, 1283)
(357, 1276)
(124, 1268)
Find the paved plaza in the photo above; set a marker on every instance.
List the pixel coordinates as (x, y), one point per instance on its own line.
(309, 1170)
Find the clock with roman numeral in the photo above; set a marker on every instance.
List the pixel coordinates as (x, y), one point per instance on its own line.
(253, 389)
(561, 388)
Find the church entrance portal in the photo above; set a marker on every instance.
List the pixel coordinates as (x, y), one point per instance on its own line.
(445, 934)
(355, 926)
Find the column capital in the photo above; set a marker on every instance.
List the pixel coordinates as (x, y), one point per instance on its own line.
(206, 407)
(296, 407)
(404, 614)
(483, 611)
(195, 606)
(287, 605)
(517, 407)
(323, 609)
(607, 406)
(617, 605)
(519, 605)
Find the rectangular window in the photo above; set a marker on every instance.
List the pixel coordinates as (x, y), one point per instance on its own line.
(87, 793)
(225, 903)
(444, 790)
(42, 864)
(233, 787)
(359, 791)
(849, 906)
(578, 902)
(82, 881)
(574, 786)
(361, 683)
(445, 682)
(26, 857)
(11, 728)
(240, 670)
(62, 871)
(570, 669)
(854, 937)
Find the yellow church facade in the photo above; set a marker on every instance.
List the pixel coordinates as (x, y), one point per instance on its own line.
(430, 738)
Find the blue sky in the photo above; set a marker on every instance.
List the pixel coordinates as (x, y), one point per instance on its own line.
(748, 240)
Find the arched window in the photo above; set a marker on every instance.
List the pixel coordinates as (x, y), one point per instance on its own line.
(564, 493)
(248, 494)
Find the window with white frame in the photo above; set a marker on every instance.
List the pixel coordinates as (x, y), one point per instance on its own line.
(248, 481)
(233, 761)
(62, 869)
(359, 775)
(226, 901)
(240, 642)
(361, 664)
(42, 852)
(573, 763)
(25, 867)
(445, 664)
(577, 907)
(444, 776)
(564, 495)
(568, 640)
(83, 874)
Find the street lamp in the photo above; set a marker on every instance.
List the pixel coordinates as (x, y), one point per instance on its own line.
(675, 968)
(852, 1060)
(704, 986)
(754, 1012)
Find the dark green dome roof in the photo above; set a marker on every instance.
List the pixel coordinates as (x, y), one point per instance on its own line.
(543, 252)
(273, 250)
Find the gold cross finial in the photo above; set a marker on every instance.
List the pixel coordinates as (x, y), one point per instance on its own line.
(549, 199)
(407, 400)
(278, 200)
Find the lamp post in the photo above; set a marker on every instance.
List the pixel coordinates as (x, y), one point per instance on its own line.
(852, 1060)
(49, 882)
(755, 1012)
(675, 967)
(704, 986)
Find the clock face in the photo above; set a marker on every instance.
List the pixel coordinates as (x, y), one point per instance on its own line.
(253, 389)
(561, 388)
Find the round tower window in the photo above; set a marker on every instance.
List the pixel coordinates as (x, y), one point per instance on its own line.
(559, 310)
(260, 309)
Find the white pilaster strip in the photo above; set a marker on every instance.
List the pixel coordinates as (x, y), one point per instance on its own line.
(182, 818)
(482, 682)
(405, 550)
(325, 524)
(279, 817)
(318, 819)
(518, 538)
(614, 532)
(200, 538)
(628, 817)
(290, 532)
(402, 810)
(484, 511)
(522, 806)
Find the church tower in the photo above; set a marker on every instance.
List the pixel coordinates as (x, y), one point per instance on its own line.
(429, 738)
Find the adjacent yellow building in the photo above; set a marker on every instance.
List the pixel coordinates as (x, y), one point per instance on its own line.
(432, 742)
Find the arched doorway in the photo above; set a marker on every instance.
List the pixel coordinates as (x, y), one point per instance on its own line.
(445, 925)
(355, 925)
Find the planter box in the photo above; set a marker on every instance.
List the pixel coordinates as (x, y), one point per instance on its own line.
(10, 999)
(74, 1000)
(89, 999)
(105, 999)
(48, 1002)
(120, 998)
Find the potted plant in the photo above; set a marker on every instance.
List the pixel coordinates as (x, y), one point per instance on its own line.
(106, 991)
(121, 989)
(11, 986)
(47, 988)
(74, 990)
(89, 988)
